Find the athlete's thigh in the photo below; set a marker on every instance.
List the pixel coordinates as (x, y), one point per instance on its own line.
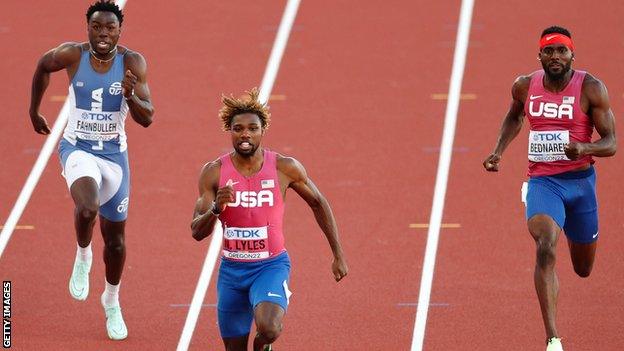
(581, 225)
(115, 189)
(544, 198)
(234, 311)
(82, 175)
(271, 283)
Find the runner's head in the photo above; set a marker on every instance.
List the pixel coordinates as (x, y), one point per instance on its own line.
(556, 51)
(104, 20)
(246, 119)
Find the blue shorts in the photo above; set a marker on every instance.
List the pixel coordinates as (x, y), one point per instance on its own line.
(243, 285)
(570, 200)
(110, 172)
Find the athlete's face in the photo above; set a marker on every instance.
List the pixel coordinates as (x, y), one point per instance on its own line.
(556, 60)
(104, 31)
(247, 132)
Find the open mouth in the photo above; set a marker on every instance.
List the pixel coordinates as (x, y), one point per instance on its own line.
(245, 145)
(103, 45)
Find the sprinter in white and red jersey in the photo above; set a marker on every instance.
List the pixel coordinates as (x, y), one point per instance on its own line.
(245, 189)
(563, 107)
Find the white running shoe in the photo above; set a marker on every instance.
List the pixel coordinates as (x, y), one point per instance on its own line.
(79, 280)
(115, 325)
(554, 344)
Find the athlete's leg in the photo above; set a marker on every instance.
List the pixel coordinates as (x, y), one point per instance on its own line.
(83, 179)
(268, 317)
(581, 226)
(114, 248)
(84, 192)
(237, 343)
(545, 232)
(582, 257)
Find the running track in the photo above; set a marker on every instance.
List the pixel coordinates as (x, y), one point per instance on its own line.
(353, 102)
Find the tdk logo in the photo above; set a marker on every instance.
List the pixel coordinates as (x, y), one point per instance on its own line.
(242, 233)
(548, 137)
(551, 110)
(253, 199)
(93, 116)
(115, 88)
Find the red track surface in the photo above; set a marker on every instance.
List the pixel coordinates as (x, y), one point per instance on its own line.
(357, 81)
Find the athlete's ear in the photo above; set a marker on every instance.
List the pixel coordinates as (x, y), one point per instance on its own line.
(572, 56)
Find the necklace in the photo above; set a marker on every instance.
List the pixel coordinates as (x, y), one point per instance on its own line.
(100, 60)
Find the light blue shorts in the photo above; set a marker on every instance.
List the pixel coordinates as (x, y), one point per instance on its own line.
(110, 171)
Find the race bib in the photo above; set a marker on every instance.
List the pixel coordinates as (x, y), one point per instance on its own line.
(548, 146)
(246, 243)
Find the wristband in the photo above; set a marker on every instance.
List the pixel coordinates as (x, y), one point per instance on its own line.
(214, 211)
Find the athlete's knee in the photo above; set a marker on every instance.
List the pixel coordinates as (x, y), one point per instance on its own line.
(583, 270)
(546, 253)
(115, 244)
(87, 211)
(269, 330)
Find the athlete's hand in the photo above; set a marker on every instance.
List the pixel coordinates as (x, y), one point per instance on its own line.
(574, 150)
(491, 162)
(339, 268)
(128, 83)
(40, 124)
(225, 195)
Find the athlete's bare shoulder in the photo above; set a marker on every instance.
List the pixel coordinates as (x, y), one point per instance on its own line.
(520, 87)
(132, 59)
(65, 54)
(592, 84)
(209, 176)
(290, 167)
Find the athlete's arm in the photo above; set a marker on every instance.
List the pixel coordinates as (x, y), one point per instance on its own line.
(512, 124)
(600, 112)
(302, 185)
(135, 89)
(205, 216)
(54, 60)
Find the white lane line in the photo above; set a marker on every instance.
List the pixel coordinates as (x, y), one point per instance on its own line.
(459, 62)
(37, 170)
(266, 86)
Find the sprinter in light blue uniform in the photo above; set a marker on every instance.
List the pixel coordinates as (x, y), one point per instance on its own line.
(106, 82)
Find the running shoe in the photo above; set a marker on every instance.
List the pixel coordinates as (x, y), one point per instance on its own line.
(115, 325)
(79, 280)
(554, 344)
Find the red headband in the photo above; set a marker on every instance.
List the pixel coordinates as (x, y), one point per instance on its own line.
(556, 38)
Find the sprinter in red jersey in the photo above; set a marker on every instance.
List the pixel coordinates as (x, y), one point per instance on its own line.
(563, 107)
(245, 189)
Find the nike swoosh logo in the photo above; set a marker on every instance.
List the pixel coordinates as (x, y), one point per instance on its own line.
(533, 97)
(550, 37)
(273, 295)
(594, 236)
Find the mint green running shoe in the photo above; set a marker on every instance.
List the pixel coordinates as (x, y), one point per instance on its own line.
(554, 344)
(115, 325)
(79, 280)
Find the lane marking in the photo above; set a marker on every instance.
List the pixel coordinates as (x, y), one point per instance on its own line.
(414, 304)
(277, 97)
(268, 80)
(188, 304)
(443, 225)
(450, 120)
(23, 227)
(58, 98)
(37, 170)
(467, 96)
